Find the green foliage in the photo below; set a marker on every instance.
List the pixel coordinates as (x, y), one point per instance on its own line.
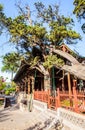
(2, 83)
(60, 27)
(2, 86)
(2, 18)
(1, 8)
(10, 62)
(10, 90)
(47, 14)
(13, 84)
(26, 35)
(62, 31)
(79, 7)
(79, 11)
(1, 102)
(53, 60)
(17, 28)
(35, 61)
(37, 31)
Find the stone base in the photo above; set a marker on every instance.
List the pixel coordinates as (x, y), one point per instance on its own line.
(39, 105)
(23, 107)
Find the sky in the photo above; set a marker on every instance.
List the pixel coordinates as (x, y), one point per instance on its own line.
(66, 8)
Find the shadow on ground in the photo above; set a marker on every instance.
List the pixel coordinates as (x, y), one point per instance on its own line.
(4, 114)
(38, 126)
(45, 125)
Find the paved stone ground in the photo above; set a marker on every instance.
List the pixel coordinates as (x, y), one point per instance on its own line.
(14, 119)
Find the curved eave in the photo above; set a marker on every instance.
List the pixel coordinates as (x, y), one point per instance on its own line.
(77, 70)
(20, 71)
(25, 68)
(66, 55)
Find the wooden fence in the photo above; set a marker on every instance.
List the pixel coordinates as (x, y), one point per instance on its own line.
(74, 102)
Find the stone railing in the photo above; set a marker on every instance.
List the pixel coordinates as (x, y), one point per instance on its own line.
(71, 120)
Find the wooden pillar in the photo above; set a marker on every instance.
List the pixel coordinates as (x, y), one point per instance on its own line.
(64, 48)
(74, 83)
(58, 97)
(25, 86)
(63, 88)
(17, 88)
(28, 85)
(42, 83)
(33, 80)
(75, 100)
(69, 85)
(48, 98)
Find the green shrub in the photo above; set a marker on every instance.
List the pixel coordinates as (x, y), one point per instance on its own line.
(1, 103)
(10, 90)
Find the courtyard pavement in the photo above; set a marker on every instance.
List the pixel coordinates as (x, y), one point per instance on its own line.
(12, 118)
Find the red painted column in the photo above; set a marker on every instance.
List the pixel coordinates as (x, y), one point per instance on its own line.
(75, 100)
(48, 98)
(58, 97)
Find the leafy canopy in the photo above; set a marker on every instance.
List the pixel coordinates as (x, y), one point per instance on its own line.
(53, 60)
(79, 11)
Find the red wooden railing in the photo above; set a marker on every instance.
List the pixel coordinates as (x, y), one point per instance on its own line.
(41, 95)
(76, 101)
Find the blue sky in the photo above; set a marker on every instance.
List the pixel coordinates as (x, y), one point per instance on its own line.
(66, 8)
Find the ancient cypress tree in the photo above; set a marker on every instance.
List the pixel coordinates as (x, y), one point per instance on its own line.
(34, 38)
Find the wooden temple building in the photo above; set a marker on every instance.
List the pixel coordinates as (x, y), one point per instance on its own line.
(64, 79)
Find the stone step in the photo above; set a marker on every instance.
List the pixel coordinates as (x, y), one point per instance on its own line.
(42, 121)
